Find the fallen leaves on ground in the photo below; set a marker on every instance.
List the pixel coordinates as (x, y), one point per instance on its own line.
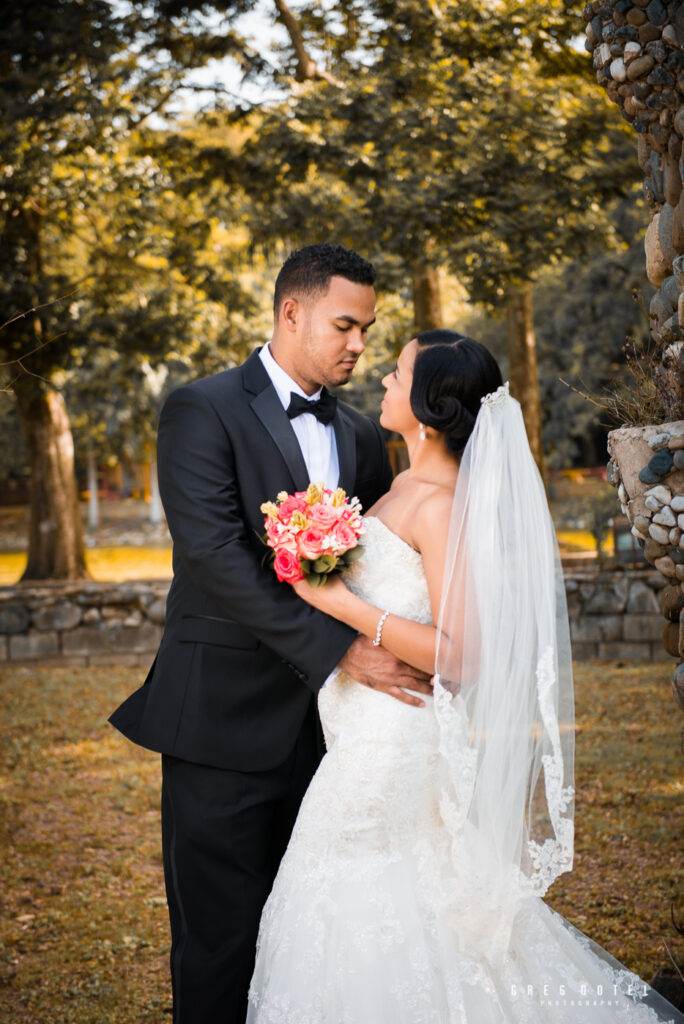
(629, 776)
(83, 929)
(84, 936)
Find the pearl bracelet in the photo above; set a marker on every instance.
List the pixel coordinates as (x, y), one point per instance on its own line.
(378, 632)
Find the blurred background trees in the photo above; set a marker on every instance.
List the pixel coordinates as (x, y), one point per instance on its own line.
(105, 263)
(464, 147)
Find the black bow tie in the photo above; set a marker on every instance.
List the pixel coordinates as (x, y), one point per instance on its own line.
(322, 408)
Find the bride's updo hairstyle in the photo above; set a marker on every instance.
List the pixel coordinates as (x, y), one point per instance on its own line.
(451, 374)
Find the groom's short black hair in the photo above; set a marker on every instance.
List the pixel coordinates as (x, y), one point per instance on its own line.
(308, 270)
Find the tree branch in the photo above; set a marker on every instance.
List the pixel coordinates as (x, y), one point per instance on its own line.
(307, 69)
(135, 122)
(34, 309)
(17, 361)
(8, 388)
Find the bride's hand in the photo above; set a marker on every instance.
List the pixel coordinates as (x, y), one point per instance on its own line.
(329, 598)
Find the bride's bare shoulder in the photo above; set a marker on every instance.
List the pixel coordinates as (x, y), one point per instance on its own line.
(434, 507)
(427, 511)
(415, 508)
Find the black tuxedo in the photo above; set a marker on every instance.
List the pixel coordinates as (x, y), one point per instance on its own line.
(229, 700)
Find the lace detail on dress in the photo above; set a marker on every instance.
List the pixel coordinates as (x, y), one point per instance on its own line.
(389, 573)
(370, 920)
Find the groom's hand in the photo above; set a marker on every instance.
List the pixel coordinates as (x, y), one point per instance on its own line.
(380, 670)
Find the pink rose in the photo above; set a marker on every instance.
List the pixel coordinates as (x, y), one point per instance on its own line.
(280, 537)
(291, 504)
(353, 520)
(343, 537)
(277, 530)
(311, 542)
(287, 567)
(324, 516)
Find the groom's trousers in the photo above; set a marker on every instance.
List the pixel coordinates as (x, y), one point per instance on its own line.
(223, 836)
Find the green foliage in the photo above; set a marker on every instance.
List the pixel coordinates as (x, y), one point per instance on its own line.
(139, 282)
(468, 135)
(583, 312)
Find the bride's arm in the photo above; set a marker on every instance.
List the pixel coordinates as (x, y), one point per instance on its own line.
(412, 642)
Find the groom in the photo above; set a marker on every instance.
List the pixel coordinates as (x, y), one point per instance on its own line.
(230, 700)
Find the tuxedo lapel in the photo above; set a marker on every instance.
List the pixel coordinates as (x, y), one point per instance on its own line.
(271, 413)
(345, 435)
(267, 406)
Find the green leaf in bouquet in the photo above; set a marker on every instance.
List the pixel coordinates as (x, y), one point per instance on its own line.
(269, 556)
(349, 557)
(306, 565)
(325, 564)
(268, 559)
(316, 579)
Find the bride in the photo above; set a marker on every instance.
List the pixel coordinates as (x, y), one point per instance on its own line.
(411, 889)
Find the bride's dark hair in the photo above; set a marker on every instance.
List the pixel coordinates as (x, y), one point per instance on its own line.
(450, 375)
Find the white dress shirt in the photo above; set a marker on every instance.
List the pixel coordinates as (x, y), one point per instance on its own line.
(316, 440)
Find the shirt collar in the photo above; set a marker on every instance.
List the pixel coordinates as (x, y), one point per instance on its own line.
(282, 382)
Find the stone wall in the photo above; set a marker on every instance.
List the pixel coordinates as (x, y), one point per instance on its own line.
(82, 623)
(615, 615)
(612, 615)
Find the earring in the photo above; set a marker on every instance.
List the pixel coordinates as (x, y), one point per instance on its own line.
(422, 431)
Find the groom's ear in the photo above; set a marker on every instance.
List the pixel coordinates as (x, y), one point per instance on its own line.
(290, 312)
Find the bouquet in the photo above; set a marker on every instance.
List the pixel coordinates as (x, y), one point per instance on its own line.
(312, 533)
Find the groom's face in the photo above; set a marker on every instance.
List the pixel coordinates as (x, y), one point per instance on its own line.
(331, 332)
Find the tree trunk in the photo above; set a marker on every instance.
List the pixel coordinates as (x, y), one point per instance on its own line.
(56, 549)
(522, 359)
(427, 301)
(156, 513)
(93, 495)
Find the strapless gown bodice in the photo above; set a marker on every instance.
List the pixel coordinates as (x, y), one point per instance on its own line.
(390, 573)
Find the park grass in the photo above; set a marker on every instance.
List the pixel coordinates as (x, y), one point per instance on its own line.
(110, 564)
(83, 933)
(582, 540)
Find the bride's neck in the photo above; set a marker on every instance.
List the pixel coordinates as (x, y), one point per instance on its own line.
(430, 458)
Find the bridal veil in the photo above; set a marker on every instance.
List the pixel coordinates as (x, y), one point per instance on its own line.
(503, 685)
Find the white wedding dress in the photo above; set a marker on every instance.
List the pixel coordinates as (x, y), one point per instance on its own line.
(354, 931)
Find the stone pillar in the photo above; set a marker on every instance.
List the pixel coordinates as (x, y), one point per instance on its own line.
(638, 53)
(637, 48)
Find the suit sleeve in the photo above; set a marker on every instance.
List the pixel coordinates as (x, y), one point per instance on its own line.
(201, 499)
